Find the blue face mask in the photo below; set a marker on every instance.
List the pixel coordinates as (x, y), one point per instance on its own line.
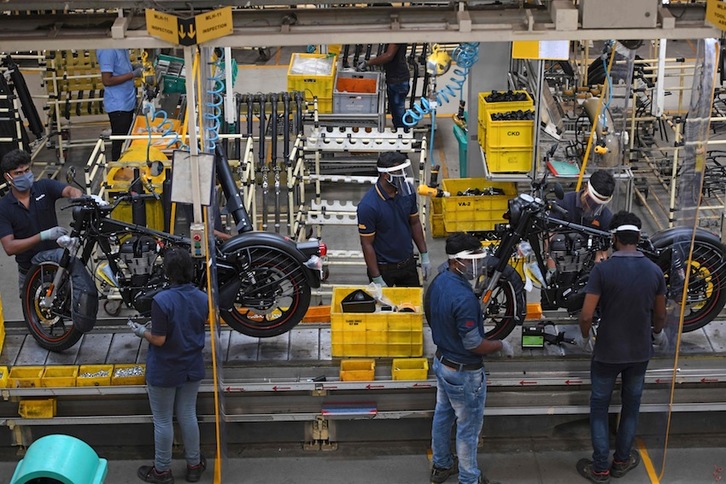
(22, 183)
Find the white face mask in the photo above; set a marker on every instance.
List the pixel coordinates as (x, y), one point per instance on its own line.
(400, 177)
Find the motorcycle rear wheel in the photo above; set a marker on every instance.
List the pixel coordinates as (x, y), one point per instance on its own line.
(273, 298)
(51, 327)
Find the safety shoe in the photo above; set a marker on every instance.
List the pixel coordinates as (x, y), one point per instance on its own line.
(194, 473)
(149, 474)
(439, 475)
(584, 467)
(619, 469)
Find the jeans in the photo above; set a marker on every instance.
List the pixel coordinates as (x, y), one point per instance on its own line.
(120, 125)
(163, 400)
(603, 377)
(460, 397)
(397, 102)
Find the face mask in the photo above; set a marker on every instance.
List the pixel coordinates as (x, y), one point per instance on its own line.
(400, 177)
(22, 183)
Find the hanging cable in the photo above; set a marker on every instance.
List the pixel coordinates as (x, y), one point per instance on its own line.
(465, 55)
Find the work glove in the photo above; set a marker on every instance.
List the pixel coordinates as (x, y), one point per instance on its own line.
(136, 65)
(53, 233)
(379, 280)
(138, 72)
(136, 328)
(425, 265)
(585, 344)
(362, 65)
(507, 350)
(99, 201)
(660, 340)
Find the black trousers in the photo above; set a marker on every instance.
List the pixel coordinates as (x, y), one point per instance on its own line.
(406, 276)
(120, 125)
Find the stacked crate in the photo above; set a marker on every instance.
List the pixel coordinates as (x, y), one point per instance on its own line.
(313, 75)
(508, 144)
(463, 212)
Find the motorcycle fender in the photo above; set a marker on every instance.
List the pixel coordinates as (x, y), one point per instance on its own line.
(666, 237)
(276, 241)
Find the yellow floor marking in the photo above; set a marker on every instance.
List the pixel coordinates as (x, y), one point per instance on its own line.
(652, 474)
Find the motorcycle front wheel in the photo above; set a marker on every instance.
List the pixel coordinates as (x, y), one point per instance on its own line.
(507, 306)
(51, 327)
(273, 297)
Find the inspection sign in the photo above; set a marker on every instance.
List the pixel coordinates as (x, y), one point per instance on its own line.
(716, 13)
(189, 30)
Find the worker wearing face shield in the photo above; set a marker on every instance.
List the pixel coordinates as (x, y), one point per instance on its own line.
(389, 225)
(588, 206)
(454, 313)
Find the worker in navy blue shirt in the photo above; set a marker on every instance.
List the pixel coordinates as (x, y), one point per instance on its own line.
(454, 313)
(588, 206)
(28, 221)
(389, 225)
(630, 291)
(175, 366)
(119, 94)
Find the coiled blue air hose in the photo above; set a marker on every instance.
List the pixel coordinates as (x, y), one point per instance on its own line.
(215, 104)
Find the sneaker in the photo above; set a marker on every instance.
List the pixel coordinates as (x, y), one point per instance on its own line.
(194, 473)
(149, 474)
(619, 469)
(584, 467)
(440, 475)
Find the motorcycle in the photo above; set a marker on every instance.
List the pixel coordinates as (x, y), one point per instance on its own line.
(264, 279)
(573, 247)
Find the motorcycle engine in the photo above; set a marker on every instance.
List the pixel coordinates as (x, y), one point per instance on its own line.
(141, 271)
(570, 251)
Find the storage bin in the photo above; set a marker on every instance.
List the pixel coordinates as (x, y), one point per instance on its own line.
(37, 408)
(128, 375)
(357, 370)
(356, 93)
(484, 106)
(410, 369)
(59, 376)
(379, 333)
(25, 376)
(4, 373)
(436, 219)
(313, 75)
(508, 134)
(509, 160)
(477, 212)
(94, 375)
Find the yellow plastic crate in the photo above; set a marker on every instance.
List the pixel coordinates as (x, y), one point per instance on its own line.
(325, 105)
(25, 376)
(509, 160)
(484, 106)
(410, 368)
(314, 75)
(37, 408)
(59, 376)
(94, 375)
(4, 372)
(481, 134)
(357, 370)
(381, 333)
(508, 134)
(119, 378)
(436, 219)
(475, 213)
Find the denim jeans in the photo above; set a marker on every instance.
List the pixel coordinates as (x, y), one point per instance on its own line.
(460, 397)
(163, 401)
(397, 102)
(603, 377)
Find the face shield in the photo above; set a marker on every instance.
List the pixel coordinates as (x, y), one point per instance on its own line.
(470, 264)
(593, 202)
(401, 177)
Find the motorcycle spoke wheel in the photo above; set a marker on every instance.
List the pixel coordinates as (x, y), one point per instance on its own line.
(499, 319)
(273, 298)
(51, 327)
(706, 295)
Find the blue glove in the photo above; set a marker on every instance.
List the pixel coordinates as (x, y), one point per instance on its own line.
(138, 72)
(53, 233)
(379, 280)
(425, 265)
(136, 328)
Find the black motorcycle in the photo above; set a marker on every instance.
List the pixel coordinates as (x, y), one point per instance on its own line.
(573, 247)
(264, 280)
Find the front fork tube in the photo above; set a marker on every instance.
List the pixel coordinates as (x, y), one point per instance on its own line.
(46, 302)
(503, 254)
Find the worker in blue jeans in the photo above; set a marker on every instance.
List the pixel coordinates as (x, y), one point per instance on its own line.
(398, 79)
(454, 314)
(630, 291)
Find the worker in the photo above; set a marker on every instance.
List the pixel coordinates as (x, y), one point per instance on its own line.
(28, 220)
(389, 225)
(454, 313)
(175, 367)
(119, 95)
(630, 292)
(588, 206)
(398, 79)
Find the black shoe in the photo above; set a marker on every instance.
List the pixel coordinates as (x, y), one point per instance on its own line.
(483, 480)
(440, 475)
(194, 473)
(149, 474)
(584, 467)
(619, 469)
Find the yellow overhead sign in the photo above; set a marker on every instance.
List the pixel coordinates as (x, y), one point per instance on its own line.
(716, 13)
(191, 30)
(541, 49)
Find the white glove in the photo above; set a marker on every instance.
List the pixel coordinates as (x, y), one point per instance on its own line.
(99, 201)
(425, 265)
(136, 328)
(68, 242)
(660, 340)
(138, 72)
(507, 350)
(585, 344)
(53, 233)
(362, 65)
(379, 280)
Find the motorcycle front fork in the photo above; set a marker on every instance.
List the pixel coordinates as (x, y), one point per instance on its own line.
(47, 300)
